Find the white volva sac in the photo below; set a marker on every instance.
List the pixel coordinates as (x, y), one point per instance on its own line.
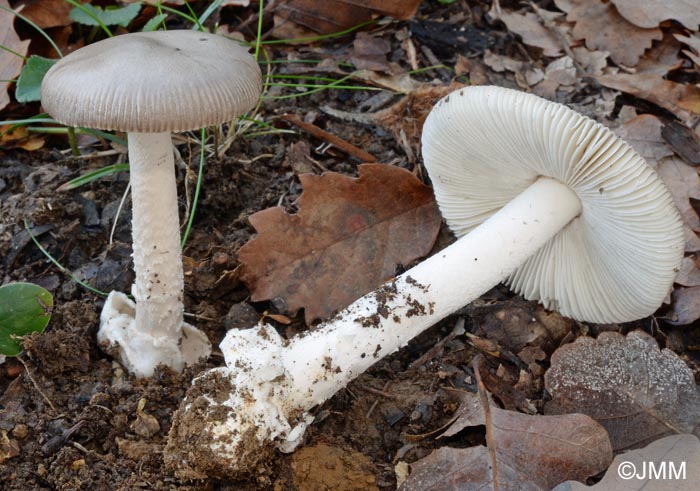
(149, 84)
(542, 198)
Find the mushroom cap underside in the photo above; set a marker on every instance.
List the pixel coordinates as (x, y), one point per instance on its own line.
(153, 82)
(616, 261)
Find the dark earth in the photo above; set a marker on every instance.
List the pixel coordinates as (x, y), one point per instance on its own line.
(72, 419)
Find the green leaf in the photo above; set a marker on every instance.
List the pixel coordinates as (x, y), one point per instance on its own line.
(93, 176)
(29, 81)
(154, 22)
(24, 308)
(111, 16)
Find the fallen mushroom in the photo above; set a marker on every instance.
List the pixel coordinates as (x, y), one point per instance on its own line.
(543, 198)
(149, 84)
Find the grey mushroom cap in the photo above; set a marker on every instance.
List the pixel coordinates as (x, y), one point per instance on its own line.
(153, 82)
(617, 260)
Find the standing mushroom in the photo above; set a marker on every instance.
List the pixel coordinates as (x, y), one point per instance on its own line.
(543, 198)
(149, 84)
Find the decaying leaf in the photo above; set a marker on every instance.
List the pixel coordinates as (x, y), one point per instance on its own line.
(347, 238)
(671, 463)
(337, 15)
(649, 82)
(686, 306)
(528, 26)
(638, 392)
(20, 137)
(531, 452)
(693, 42)
(689, 275)
(643, 132)
(11, 57)
(651, 13)
(47, 13)
(605, 29)
(684, 183)
(684, 141)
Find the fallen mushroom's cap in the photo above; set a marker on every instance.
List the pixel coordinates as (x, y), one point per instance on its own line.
(617, 260)
(153, 82)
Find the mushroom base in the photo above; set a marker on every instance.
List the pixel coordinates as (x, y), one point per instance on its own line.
(140, 352)
(230, 421)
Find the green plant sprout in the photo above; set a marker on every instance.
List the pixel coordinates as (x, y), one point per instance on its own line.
(60, 267)
(24, 308)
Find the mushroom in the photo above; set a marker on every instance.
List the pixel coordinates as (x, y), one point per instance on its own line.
(149, 84)
(542, 198)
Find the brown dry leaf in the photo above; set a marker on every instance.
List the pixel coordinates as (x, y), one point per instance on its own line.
(638, 392)
(649, 82)
(675, 452)
(689, 275)
(526, 75)
(347, 239)
(681, 99)
(20, 137)
(692, 41)
(47, 13)
(643, 132)
(686, 306)
(532, 453)
(684, 141)
(332, 16)
(10, 63)
(370, 53)
(529, 27)
(605, 29)
(651, 13)
(684, 183)
(326, 468)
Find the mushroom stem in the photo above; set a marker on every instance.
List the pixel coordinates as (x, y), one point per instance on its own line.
(329, 357)
(151, 331)
(271, 383)
(159, 283)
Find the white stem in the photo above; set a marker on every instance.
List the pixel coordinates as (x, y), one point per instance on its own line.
(159, 284)
(151, 331)
(232, 414)
(327, 358)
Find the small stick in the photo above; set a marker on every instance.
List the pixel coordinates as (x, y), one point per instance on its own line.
(36, 386)
(330, 138)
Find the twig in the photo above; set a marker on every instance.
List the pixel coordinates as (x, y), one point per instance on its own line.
(330, 138)
(36, 386)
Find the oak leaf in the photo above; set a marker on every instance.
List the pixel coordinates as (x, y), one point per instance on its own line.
(643, 132)
(684, 183)
(47, 13)
(651, 13)
(649, 81)
(531, 452)
(332, 16)
(637, 391)
(11, 57)
(605, 29)
(529, 26)
(686, 306)
(676, 466)
(347, 238)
